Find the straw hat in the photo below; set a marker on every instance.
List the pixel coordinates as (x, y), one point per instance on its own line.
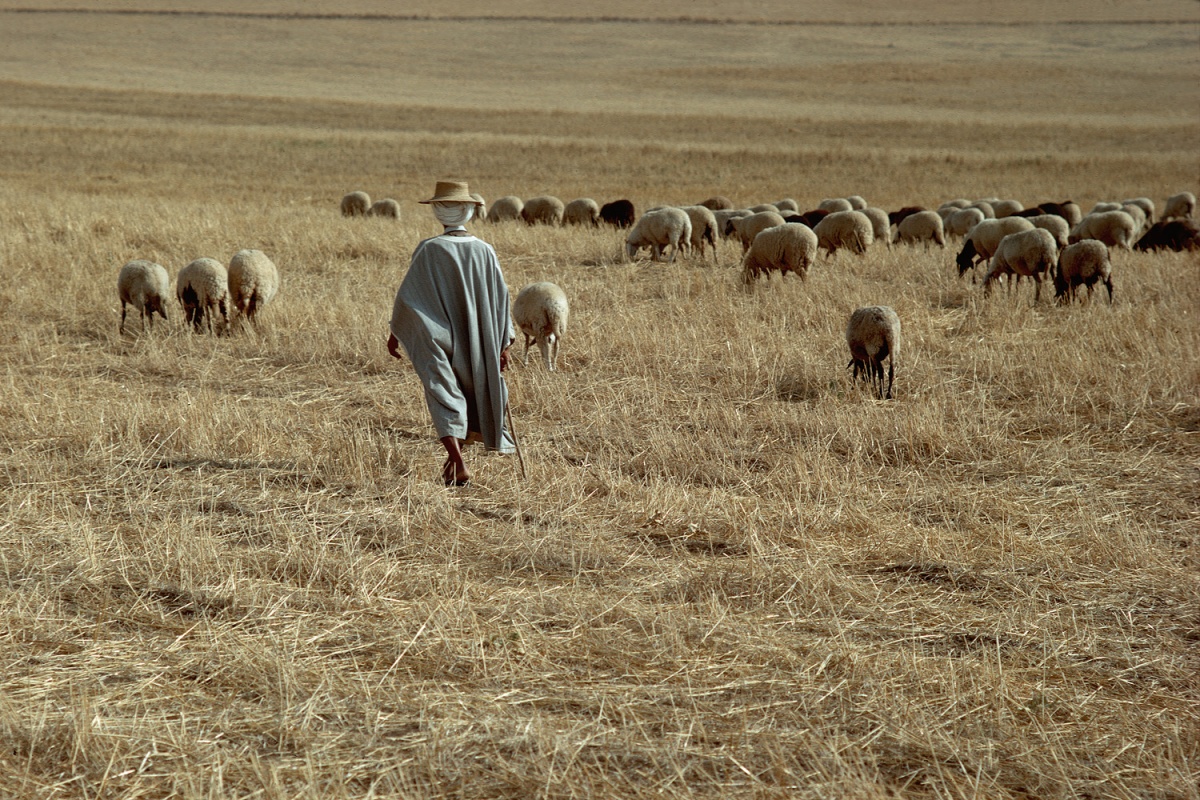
(451, 192)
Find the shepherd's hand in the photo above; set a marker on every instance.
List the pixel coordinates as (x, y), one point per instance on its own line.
(504, 359)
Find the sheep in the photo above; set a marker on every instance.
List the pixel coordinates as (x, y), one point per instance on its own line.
(961, 220)
(896, 217)
(1105, 205)
(356, 204)
(762, 207)
(1071, 212)
(253, 282)
(723, 215)
(619, 213)
(1179, 205)
(203, 288)
(1006, 208)
(857, 203)
(659, 229)
(1114, 228)
(584, 211)
(145, 286)
(704, 229)
(989, 211)
(1086, 263)
(811, 218)
(958, 202)
(1171, 234)
(1055, 224)
(981, 242)
(746, 228)
(1140, 223)
(541, 312)
(505, 209)
(832, 204)
(849, 229)
(783, 248)
(717, 203)
(923, 226)
(1145, 204)
(543, 210)
(386, 207)
(881, 226)
(480, 207)
(1030, 253)
(786, 204)
(873, 335)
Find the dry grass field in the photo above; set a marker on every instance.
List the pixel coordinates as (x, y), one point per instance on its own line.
(227, 568)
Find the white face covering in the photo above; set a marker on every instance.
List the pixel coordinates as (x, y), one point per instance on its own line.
(450, 214)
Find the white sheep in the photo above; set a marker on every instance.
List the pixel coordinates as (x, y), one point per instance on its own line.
(145, 286)
(958, 202)
(480, 207)
(989, 212)
(1085, 262)
(923, 226)
(1145, 204)
(790, 247)
(1056, 225)
(723, 215)
(1006, 208)
(583, 211)
(717, 203)
(873, 335)
(505, 209)
(857, 203)
(960, 221)
(203, 289)
(1140, 223)
(1026, 254)
(833, 204)
(543, 210)
(764, 207)
(744, 229)
(1182, 205)
(386, 207)
(787, 204)
(541, 312)
(704, 229)
(849, 229)
(881, 226)
(658, 230)
(253, 281)
(1114, 228)
(1105, 205)
(981, 242)
(1071, 212)
(356, 204)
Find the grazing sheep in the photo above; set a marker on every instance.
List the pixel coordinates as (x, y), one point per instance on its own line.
(1067, 209)
(881, 226)
(896, 217)
(1145, 204)
(584, 211)
(253, 281)
(1114, 228)
(873, 335)
(718, 203)
(981, 242)
(619, 213)
(832, 204)
(787, 204)
(1055, 224)
(744, 229)
(1140, 223)
(762, 207)
(783, 248)
(541, 312)
(1085, 263)
(1105, 205)
(543, 210)
(506, 209)
(723, 215)
(386, 207)
(657, 230)
(203, 288)
(145, 286)
(989, 212)
(923, 226)
(849, 229)
(1026, 254)
(356, 204)
(857, 203)
(1171, 234)
(811, 218)
(480, 207)
(704, 229)
(960, 221)
(1179, 205)
(1006, 208)
(958, 202)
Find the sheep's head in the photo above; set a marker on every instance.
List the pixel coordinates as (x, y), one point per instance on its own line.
(966, 259)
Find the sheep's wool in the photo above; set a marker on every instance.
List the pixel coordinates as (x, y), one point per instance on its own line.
(449, 213)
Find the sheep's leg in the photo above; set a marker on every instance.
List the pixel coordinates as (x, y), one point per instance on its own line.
(528, 341)
(1108, 283)
(891, 376)
(1037, 287)
(553, 352)
(544, 346)
(121, 327)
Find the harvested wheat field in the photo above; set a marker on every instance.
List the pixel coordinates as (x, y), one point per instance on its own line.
(228, 567)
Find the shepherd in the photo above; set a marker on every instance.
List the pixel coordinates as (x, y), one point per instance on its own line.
(451, 315)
